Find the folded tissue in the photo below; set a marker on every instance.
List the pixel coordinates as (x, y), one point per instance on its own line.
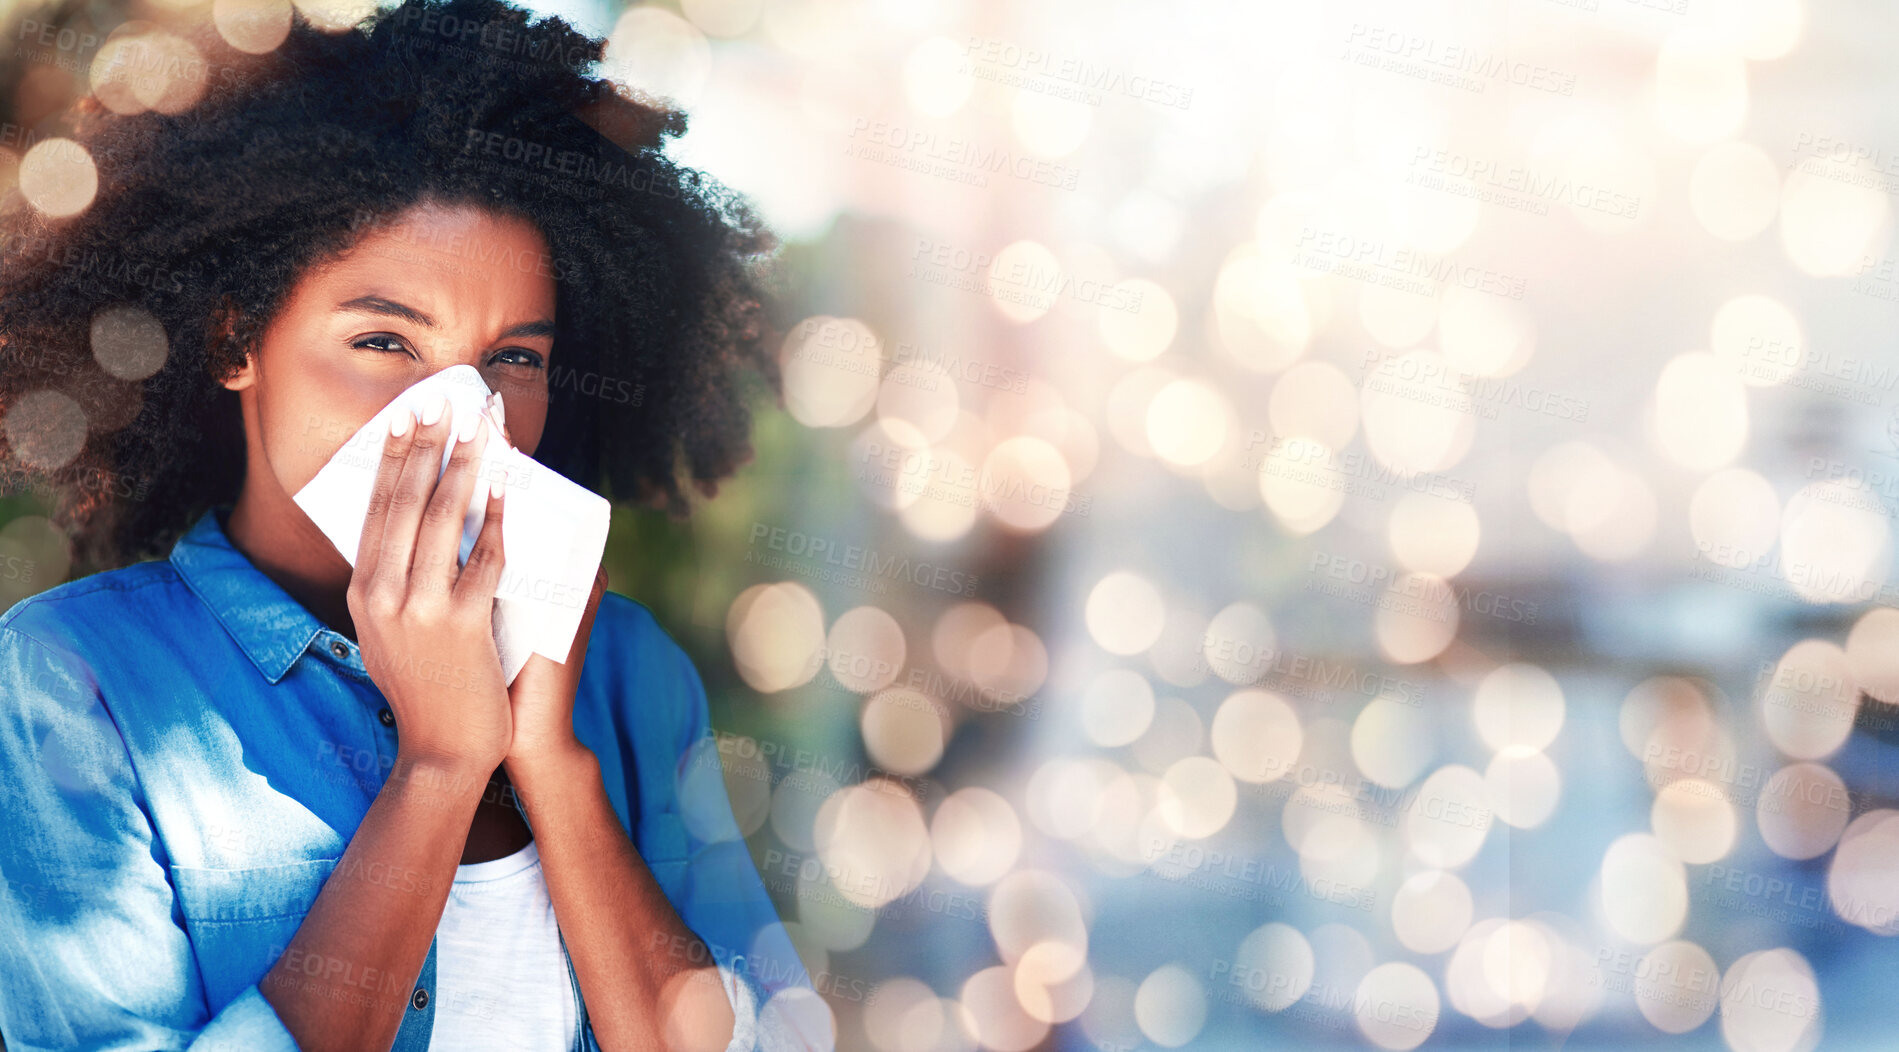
(552, 535)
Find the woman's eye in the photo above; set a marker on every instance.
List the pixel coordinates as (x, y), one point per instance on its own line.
(382, 342)
(517, 356)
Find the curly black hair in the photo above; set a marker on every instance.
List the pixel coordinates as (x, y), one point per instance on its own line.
(206, 217)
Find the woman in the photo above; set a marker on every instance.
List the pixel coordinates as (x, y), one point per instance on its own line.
(260, 799)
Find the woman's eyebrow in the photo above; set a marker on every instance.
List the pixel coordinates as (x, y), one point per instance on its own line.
(390, 308)
(528, 329)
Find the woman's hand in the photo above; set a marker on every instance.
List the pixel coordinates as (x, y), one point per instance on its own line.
(542, 695)
(425, 622)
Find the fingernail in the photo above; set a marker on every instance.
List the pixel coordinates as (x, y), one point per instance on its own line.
(433, 411)
(466, 427)
(497, 489)
(501, 410)
(399, 422)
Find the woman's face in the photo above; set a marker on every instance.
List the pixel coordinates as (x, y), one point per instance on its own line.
(435, 287)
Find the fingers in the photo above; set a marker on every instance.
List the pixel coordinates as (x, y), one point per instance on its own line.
(438, 545)
(410, 497)
(482, 575)
(395, 452)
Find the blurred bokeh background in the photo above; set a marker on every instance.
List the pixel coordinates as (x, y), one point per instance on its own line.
(1291, 525)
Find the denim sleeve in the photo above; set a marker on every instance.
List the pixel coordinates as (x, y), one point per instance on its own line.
(93, 952)
(726, 905)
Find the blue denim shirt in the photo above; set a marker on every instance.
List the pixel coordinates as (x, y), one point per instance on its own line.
(185, 751)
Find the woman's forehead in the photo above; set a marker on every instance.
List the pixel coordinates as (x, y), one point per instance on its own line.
(447, 260)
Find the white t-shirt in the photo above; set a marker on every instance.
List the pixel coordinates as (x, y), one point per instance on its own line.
(501, 978)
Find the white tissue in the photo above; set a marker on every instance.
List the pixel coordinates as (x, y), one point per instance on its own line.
(552, 536)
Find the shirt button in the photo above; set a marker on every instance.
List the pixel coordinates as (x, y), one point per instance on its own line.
(419, 1000)
(388, 718)
(339, 648)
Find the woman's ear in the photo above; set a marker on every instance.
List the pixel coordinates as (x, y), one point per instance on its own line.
(222, 343)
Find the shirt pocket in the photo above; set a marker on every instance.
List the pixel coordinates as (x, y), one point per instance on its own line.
(662, 844)
(241, 920)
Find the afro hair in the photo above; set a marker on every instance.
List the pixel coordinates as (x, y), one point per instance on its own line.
(205, 217)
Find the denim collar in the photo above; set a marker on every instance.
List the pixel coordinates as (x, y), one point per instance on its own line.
(273, 629)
